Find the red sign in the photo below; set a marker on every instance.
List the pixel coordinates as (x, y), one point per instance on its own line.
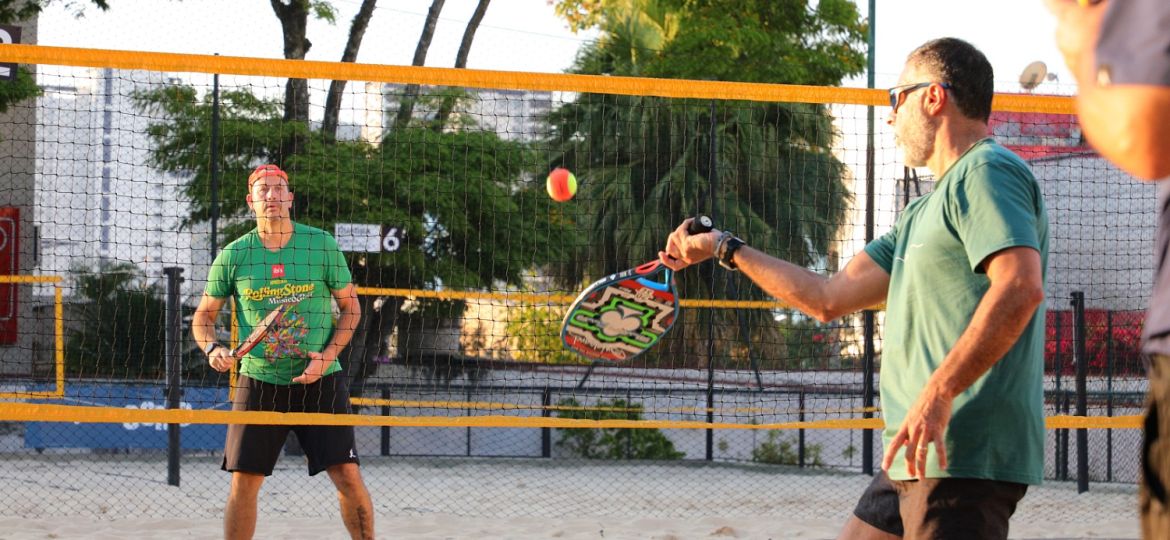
(9, 265)
(1039, 135)
(278, 270)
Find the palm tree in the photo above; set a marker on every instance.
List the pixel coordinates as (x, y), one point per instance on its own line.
(644, 164)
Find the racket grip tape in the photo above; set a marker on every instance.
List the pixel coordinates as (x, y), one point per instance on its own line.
(700, 224)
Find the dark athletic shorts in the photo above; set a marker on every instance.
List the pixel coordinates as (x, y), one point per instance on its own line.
(878, 506)
(940, 508)
(1153, 499)
(255, 448)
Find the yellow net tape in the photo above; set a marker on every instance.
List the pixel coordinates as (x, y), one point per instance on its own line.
(478, 78)
(25, 412)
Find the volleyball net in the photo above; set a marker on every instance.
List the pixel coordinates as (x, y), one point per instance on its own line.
(131, 167)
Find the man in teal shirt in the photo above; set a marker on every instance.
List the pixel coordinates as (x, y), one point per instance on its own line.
(294, 369)
(962, 277)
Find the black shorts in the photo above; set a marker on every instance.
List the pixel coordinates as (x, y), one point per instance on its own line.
(940, 508)
(1153, 497)
(878, 506)
(255, 448)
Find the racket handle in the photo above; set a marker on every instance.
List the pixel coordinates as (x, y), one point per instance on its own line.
(700, 224)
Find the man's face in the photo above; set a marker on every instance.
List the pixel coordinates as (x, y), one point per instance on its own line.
(914, 130)
(270, 197)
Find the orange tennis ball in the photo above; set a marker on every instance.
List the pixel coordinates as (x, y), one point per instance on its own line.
(561, 184)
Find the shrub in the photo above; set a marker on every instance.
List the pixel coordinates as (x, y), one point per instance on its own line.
(780, 450)
(613, 443)
(536, 336)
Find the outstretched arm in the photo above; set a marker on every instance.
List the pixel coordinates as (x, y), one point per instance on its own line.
(861, 284)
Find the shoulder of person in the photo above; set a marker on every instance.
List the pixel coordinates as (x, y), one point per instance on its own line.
(310, 230)
(243, 242)
(313, 235)
(992, 162)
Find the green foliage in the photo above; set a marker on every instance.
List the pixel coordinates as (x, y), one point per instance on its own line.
(770, 41)
(323, 10)
(535, 334)
(613, 443)
(471, 214)
(809, 343)
(23, 87)
(849, 452)
(644, 161)
(122, 333)
(781, 450)
(14, 11)
(580, 14)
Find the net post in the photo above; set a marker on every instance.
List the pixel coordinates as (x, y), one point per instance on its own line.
(1109, 394)
(384, 439)
(870, 183)
(800, 432)
(173, 369)
(214, 166)
(546, 432)
(1078, 304)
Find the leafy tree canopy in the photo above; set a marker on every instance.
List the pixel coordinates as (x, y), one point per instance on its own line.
(12, 11)
(645, 163)
(470, 213)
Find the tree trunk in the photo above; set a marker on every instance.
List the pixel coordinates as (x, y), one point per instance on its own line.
(406, 105)
(357, 30)
(461, 60)
(294, 19)
(359, 360)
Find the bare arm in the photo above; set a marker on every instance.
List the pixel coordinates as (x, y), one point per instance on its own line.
(1128, 124)
(203, 330)
(860, 285)
(351, 314)
(1016, 290)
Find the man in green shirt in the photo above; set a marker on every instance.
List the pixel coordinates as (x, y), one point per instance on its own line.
(962, 277)
(294, 369)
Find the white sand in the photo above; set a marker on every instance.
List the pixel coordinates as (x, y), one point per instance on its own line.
(120, 497)
(441, 526)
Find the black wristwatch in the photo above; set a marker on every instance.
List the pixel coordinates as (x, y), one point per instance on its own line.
(214, 345)
(727, 254)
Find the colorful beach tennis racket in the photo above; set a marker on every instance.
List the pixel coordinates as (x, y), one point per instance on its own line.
(261, 331)
(622, 315)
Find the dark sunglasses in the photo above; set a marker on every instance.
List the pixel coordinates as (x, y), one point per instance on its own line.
(897, 92)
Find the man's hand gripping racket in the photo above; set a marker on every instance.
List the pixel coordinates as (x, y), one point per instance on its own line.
(261, 331)
(622, 315)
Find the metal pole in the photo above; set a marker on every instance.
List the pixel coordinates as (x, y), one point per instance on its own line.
(712, 159)
(385, 431)
(467, 412)
(1065, 398)
(1082, 363)
(629, 433)
(1109, 394)
(546, 432)
(214, 165)
(800, 432)
(173, 336)
(870, 183)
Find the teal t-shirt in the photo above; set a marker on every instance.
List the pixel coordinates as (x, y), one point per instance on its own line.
(988, 201)
(304, 273)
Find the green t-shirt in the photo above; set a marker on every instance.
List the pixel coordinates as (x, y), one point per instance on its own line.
(988, 201)
(303, 273)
